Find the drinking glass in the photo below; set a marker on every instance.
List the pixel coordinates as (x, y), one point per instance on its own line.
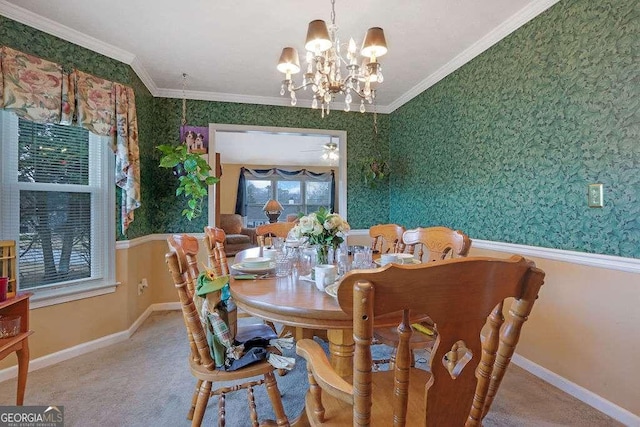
(359, 260)
(283, 266)
(342, 258)
(278, 243)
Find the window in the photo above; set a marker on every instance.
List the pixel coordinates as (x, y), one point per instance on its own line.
(57, 202)
(295, 196)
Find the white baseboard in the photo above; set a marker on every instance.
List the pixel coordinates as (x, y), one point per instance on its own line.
(86, 347)
(611, 409)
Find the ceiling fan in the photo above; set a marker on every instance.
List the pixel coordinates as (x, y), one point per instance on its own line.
(329, 150)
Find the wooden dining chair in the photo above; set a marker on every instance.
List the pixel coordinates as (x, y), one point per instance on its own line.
(387, 238)
(438, 243)
(464, 297)
(274, 229)
(214, 239)
(183, 265)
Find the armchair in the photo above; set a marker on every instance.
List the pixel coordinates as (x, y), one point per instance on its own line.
(238, 237)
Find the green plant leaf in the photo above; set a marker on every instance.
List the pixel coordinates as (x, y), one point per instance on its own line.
(190, 165)
(194, 184)
(169, 161)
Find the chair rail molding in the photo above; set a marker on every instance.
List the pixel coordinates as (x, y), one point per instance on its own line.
(631, 265)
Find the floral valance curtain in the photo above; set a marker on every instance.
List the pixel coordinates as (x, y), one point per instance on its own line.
(241, 206)
(41, 91)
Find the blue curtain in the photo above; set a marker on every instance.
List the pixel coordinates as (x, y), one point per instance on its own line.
(241, 207)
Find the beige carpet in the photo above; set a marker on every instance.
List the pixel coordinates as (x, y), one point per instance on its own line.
(145, 381)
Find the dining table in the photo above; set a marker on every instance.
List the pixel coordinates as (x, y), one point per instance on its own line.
(295, 302)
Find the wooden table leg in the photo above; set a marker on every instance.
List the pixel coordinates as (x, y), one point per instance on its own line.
(23, 369)
(341, 348)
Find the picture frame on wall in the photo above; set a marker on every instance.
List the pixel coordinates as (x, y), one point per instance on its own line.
(196, 138)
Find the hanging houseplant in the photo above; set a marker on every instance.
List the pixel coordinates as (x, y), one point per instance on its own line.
(193, 172)
(375, 170)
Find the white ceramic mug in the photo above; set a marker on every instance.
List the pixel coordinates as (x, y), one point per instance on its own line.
(405, 258)
(388, 258)
(325, 275)
(269, 253)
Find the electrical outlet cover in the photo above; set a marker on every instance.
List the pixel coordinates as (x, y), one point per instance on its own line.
(595, 196)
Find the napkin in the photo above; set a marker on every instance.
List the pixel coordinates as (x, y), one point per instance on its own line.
(307, 278)
(245, 277)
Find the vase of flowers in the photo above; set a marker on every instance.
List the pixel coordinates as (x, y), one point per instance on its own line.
(322, 229)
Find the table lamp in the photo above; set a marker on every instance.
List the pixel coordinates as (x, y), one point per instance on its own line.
(272, 209)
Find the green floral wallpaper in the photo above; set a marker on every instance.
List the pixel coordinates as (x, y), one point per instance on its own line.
(504, 148)
(365, 206)
(35, 42)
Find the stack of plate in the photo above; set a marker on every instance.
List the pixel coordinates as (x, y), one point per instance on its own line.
(255, 265)
(257, 262)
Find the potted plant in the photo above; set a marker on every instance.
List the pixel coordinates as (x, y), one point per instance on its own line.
(375, 171)
(193, 172)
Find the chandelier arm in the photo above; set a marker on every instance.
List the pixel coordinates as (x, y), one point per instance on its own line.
(363, 96)
(295, 89)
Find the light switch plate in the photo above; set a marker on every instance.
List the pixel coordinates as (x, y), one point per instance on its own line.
(595, 196)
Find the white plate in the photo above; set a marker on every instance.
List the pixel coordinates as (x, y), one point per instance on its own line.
(332, 289)
(257, 262)
(406, 261)
(246, 269)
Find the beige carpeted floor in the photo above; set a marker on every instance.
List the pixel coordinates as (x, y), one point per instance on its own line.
(145, 381)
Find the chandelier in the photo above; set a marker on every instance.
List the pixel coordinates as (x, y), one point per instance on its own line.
(324, 74)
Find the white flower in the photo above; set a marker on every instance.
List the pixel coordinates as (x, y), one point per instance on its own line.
(331, 229)
(306, 224)
(332, 222)
(317, 229)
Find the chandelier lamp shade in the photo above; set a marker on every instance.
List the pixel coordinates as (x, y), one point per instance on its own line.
(330, 71)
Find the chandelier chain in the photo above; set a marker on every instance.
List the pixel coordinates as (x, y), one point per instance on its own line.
(333, 12)
(375, 119)
(184, 99)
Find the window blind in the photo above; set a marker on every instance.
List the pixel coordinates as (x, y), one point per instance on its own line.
(56, 206)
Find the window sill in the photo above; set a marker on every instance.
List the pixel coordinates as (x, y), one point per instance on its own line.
(47, 297)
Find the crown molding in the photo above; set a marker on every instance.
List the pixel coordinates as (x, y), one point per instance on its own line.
(248, 99)
(146, 79)
(48, 26)
(494, 36)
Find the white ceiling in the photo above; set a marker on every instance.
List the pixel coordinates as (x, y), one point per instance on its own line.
(229, 49)
(263, 148)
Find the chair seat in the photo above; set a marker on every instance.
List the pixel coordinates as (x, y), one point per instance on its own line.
(389, 336)
(237, 239)
(339, 413)
(202, 373)
(261, 330)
